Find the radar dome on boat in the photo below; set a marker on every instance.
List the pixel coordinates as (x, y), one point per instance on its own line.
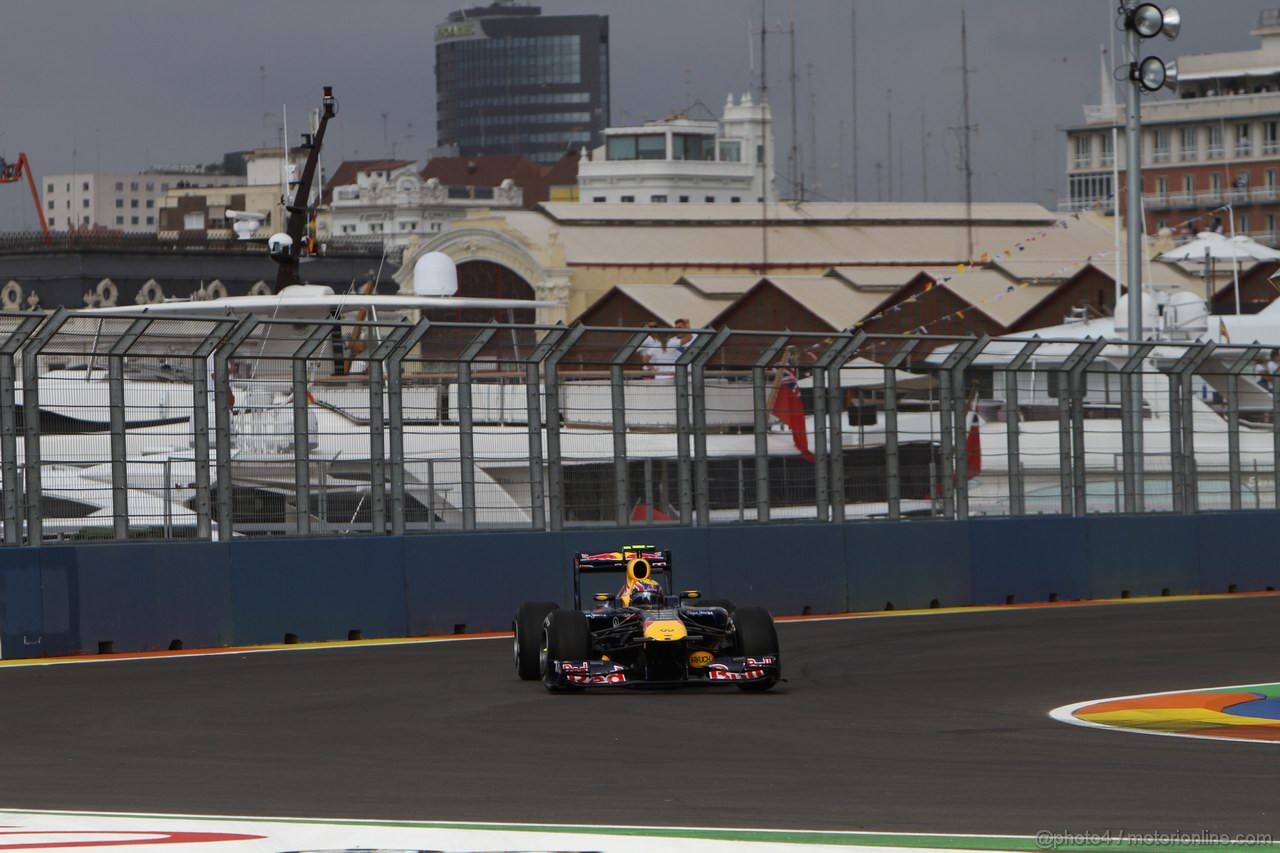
(1186, 312)
(435, 274)
(1121, 316)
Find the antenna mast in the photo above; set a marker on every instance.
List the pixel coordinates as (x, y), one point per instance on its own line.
(889, 148)
(853, 88)
(796, 180)
(764, 142)
(968, 128)
(813, 135)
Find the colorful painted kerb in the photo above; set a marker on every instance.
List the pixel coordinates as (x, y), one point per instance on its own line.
(1247, 712)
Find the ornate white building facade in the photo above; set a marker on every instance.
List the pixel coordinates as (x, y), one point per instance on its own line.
(397, 205)
(682, 160)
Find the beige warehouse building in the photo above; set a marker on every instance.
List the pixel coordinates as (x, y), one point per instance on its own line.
(574, 254)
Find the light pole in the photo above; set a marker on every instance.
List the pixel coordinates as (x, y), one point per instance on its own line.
(1141, 21)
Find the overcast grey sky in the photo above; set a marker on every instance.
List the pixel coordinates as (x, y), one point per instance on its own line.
(116, 85)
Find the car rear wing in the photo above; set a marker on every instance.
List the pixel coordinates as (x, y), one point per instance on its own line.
(629, 559)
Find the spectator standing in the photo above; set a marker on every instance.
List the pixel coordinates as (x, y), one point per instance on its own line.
(651, 347)
(1261, 374)
(665, 359)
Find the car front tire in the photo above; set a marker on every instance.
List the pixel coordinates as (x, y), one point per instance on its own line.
(527, 628)
(565, 636)
(757, 636)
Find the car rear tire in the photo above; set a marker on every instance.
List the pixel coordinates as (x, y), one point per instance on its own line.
(565, 636)
(757, 636)
(527, 628)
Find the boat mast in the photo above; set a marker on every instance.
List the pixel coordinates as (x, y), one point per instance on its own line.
(968, 128)
(853, 89)
(764, 142)
(288, 272)
(796, 180)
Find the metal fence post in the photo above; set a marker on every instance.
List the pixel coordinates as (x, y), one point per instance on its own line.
(551, 402)
(1065, 503)
(533, 405)
(1013, 427)
(31, 420)
(395, 418)
(618, 396)
(1182, 426)
(1234, 370)
(1131, 427)
(9, 428)
(760, 418)
(703, 340)
(119, 446)
(466, 425)
(1078, 389)
(222, 421)
(833, 361)
(378, 427)
(892, 457)
(697, 381)
(821, 463)
(951, 426)
(1275, 446)
(301, 430)
(201, 372)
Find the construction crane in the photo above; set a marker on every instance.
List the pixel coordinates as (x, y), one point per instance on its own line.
(11, 173)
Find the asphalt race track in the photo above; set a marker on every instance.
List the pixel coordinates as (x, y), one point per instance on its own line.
(933, 723)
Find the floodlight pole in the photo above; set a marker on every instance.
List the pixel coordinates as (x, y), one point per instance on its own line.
(1133, 224)
(1133, 188)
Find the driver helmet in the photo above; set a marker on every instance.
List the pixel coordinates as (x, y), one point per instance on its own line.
(647, 594)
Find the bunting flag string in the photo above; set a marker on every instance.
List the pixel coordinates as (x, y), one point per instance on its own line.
(985, 260)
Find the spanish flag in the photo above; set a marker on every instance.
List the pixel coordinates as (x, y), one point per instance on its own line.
(1222, 331)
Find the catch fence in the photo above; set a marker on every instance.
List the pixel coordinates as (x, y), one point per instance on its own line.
(140, 426)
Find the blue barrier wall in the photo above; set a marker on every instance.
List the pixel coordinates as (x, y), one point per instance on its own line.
(69, 599)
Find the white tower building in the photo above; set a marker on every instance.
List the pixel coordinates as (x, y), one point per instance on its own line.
(682, 160)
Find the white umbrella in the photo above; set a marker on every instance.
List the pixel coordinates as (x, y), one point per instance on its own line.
(865, 373)
(1256, 250)
(1218, 247)
(1210, 246)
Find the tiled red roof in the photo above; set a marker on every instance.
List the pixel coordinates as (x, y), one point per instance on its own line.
(491, 171)
(488, 171)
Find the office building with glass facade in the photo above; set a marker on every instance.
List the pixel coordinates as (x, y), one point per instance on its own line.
(511, 81)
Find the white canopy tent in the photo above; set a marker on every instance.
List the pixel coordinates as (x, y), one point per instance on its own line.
(1210, 246)
(865, 373)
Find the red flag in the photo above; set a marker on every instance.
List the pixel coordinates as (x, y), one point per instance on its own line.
(972, 453)
(788, 409)
(973, 449)
(640, 513)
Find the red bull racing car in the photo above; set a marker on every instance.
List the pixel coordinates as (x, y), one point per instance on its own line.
(644, 635)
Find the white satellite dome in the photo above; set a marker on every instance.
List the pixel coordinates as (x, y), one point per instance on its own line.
(1185, 312)
(435, 274)
(1121, 314)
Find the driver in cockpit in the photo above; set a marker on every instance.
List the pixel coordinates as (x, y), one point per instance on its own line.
(646, 594)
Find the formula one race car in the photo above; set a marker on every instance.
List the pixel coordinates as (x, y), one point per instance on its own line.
(643, 636)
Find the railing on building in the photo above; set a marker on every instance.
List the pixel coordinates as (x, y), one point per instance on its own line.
(137, 427)
(118, 241)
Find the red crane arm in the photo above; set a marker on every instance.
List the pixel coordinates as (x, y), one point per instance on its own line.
(13, 172)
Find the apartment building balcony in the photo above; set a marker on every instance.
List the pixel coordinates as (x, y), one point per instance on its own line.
(1211, 198)
(1266, 238)
(1171, 201)
(1189, 110)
